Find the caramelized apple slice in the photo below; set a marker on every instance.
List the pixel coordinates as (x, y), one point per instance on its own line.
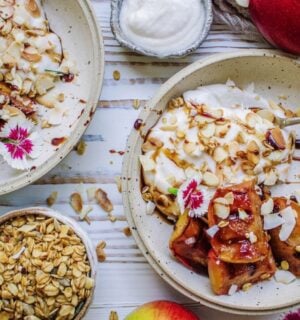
(189, 243)
(223, 275)
(241, 238)
(287, 250)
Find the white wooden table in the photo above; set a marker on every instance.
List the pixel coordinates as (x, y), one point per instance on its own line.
(125, 280)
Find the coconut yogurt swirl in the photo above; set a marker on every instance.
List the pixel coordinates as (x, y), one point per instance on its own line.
(225, 134)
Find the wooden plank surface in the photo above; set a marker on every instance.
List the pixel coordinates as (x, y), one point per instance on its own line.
(125, 280)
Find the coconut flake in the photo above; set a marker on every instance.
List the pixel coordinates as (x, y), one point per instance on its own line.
(190, 241)
(18, 254)
(212, 231)
(272, 221)
(267, 207)
(232, 290)
(243, 215)
(150, 207)
(252, 237)
(283, 276)
(289, 224)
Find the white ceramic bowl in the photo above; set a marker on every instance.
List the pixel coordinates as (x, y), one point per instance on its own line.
(75, 23)
(273, 75)
(90, 251)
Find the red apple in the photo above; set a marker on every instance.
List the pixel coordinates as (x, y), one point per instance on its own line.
(278, 21)
(161, 310)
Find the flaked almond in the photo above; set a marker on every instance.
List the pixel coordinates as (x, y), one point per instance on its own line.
(229, 197)
(180, 134)
(266, 114)
(220, 154)
(100, 251)
(32, 7)
(31, 54)
(222, 130)
(275, 138)
(271, 178)
(252, 119)
(103, 200)
(189, 147)
(6, 12)
(210, 179)
(240, 137)
(253, 147)
(233, 149)
(76, 202)
(44, 83)
(221, 201)
(222, 211)
(243, 215)
(208, 131)
(253, 158)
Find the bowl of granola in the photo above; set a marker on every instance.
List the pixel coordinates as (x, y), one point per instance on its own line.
(48, 266)
(210, 182)
(50, 82)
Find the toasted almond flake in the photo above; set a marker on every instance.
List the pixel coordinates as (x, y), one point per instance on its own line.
(246, 286)
(52, 198)
(209, 130)
(252, 237)
(210, 179)
(220, 155)
(289, 224)
(212, 231)
(243, 215)
(272, 221)
(297, 248)
(136, 104)
(150, 207)
(266, 114)
(271, 178)
(76, 202)
(229, 197)
(221, 201)
(100, 251)
(267, 207)
(221, 211)
(223, 224)
(127, 232)
(19, 253)
(103, 200)
(283, 276)
(232, 290)
(284, 265)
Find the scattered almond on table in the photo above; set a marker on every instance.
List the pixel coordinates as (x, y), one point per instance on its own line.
(81, 147)
(76, 202)
(113, 315)
(51, 200)
(100, 251)
(116, 75)
(127, 232)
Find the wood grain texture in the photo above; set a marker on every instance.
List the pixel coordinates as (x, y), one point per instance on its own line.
(125, 280)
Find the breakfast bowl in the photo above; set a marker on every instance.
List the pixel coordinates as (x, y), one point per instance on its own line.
(54, 106)
(276, 80)
(121, 37)
(43, 245)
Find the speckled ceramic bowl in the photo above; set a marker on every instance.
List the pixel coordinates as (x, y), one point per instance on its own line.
(274, 75)
(125, 42)
(76, 25)
(90, 251)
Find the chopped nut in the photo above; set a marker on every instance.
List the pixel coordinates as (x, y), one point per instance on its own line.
(103, 200)
(100, 251)
(127, 232)
(222, 211)
(247, 286)
(265, 276)
(76, 202)
(210, 179)
(136, 104)
(81, 147)
(116, 75)
(113, 315)
(61, 97)
(52, 198)
(112, 218)
(118, 183)
(223, 224)
(284, 265)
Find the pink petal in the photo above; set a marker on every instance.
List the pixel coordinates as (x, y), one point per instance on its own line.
(18, 133)
(196, 200)
(186, 193)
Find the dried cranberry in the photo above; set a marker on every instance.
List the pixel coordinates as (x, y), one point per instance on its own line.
(68, 77)
(138, 123)
(57, 141)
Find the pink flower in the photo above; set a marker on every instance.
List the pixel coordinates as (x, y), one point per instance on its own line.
(194, 197)
(18, 142)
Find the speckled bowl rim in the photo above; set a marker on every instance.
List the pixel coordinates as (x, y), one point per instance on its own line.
(116, 30)
(97, 83)
(91, 255)
(127, 172)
